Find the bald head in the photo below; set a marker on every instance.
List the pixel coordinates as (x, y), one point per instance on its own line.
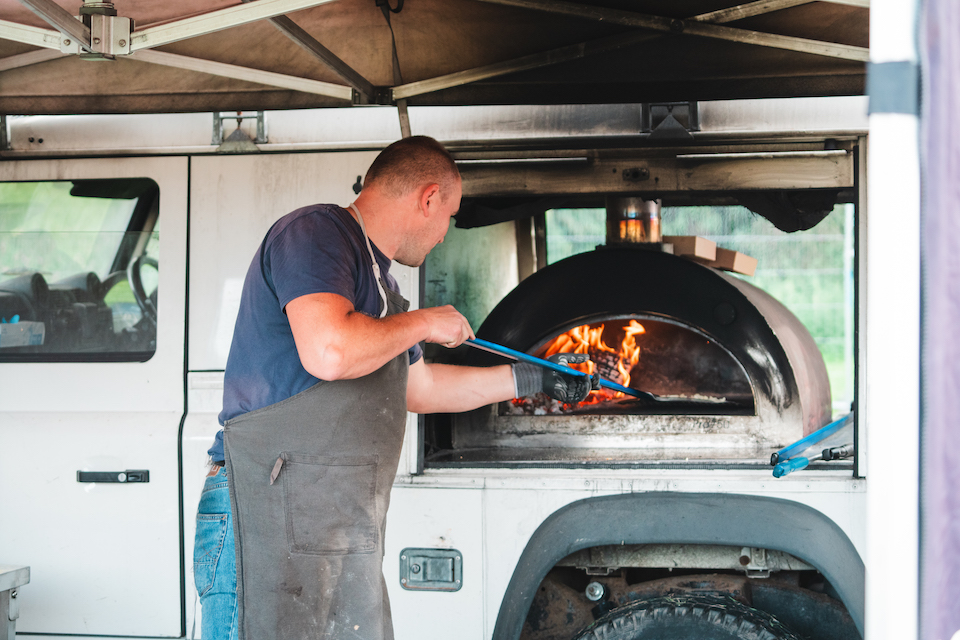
(410, 164)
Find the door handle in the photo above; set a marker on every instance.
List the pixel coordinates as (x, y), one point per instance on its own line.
(121, 477)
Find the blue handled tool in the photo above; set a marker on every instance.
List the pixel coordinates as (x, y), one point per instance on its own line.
(513, 354)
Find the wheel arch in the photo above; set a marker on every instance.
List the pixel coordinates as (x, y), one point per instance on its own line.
(694, 518)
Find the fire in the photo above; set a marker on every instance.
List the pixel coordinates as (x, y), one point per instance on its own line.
(589, 340)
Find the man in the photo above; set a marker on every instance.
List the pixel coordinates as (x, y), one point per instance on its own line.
(324, 365)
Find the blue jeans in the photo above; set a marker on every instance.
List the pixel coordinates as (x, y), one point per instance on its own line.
(215, 561)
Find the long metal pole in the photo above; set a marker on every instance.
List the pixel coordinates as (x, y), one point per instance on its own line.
(16, 32)
(293, 31)
(691, 27)
(216, 21)
(583, 49)
(513, 354)
(245, 73)
(61, 20)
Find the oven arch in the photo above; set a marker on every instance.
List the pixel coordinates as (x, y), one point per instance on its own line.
(780, 357)
(695, 518)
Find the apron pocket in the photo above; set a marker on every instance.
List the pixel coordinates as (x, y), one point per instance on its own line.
(330, 503)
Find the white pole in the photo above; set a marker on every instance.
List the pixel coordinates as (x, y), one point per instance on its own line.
(892, 433)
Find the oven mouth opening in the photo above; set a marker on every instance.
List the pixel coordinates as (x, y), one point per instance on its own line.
(688, 371)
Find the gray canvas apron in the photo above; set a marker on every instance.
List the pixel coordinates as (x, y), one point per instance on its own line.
(310, 481)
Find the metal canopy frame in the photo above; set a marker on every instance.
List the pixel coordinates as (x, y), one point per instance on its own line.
(358, 89)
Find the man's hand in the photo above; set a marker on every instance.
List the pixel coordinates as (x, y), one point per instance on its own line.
(446, 326)
(560, 386)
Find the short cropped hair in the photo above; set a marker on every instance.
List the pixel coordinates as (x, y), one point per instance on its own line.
(411, 163)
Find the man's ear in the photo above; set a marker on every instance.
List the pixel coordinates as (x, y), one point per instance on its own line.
(429, 197)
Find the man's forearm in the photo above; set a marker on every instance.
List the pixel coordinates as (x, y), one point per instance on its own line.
(336, 342)
(439, 388)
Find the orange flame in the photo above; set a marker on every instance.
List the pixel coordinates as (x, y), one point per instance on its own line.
(589, 340)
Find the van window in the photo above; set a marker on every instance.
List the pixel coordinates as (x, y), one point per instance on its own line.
(79, 269)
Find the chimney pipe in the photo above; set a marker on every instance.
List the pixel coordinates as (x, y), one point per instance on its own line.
(632, 220)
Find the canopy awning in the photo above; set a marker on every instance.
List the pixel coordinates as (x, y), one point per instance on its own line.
(220, 55)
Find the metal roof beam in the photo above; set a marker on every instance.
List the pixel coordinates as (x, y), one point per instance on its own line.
(760, 7)
(27, 59)
(214, 21)
(16, 32)
(245, 73)
(747, 10)
(60, 19)
(691, 27)
(293, 31)
(582, 49)
(524, 63)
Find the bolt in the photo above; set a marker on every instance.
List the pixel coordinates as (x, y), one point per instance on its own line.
(414, 569)
(13, 594)
(66, 42)
(123, 43)
(40, 140)
(30, 139)
(96, 41)
(595, 591)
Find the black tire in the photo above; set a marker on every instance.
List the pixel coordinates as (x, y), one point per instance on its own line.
(687, 617)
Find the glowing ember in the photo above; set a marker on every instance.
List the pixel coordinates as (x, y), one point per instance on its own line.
(608, 362)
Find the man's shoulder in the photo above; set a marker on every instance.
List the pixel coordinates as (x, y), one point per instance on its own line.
(315, 215)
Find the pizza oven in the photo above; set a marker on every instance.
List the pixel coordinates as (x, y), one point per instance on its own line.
(736, 373)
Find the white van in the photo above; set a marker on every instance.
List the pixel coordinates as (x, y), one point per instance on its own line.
(122, 264)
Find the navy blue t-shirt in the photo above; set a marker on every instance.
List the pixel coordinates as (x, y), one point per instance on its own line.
(317, 249)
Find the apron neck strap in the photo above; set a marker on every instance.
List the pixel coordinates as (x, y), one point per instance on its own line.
(373, 260)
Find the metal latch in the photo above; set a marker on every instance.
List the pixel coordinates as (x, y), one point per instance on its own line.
(125, 477)
(431, 569)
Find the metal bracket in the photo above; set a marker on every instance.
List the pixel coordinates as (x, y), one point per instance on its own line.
(109, 36)
(220, 116)
(670, 120)
(754, 561)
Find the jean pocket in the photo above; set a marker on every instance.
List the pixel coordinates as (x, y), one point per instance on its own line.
(330, 503)
(207, 547)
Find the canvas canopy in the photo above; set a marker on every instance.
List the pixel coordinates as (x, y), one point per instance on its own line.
(139, 56)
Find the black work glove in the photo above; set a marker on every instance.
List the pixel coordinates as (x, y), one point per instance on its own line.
(530, 378)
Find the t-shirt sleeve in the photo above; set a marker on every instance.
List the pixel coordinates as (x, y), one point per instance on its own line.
(310, 255)
(415, 352)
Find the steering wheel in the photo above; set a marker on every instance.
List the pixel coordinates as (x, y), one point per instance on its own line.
(147, 303)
